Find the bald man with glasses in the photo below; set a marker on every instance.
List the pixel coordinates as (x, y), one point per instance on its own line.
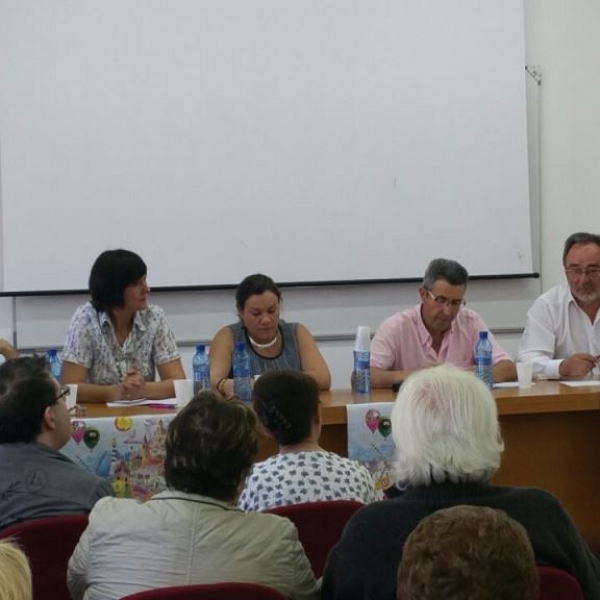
(562, 331)
(438, 330)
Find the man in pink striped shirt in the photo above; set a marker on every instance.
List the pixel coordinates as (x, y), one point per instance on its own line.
(438, 330)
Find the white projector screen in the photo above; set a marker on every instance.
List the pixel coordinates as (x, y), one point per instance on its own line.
(315, 141)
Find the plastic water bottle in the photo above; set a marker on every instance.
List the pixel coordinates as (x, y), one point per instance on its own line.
(53, 363)
(483, 359)
(361, 375)
(241, 372)
(201, 369)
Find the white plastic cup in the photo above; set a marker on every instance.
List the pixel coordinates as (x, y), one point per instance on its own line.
(362, 343)
(184, 390)
(524, 374)
(71, 399)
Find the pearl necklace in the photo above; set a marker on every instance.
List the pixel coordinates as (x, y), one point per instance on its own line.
(264, 346)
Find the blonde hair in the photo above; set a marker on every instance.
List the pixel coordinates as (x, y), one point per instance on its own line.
(15, 574)
(445, 427)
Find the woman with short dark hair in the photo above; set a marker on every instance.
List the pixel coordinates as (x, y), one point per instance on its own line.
(271, 342)
(117, 341)
(192, 533)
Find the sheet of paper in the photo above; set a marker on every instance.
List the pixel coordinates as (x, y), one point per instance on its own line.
(143, 402)
(507, 384)
(582, 383)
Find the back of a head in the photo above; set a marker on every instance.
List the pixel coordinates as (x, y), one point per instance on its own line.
(26, 390)
(286, 402)
(15, 574)
(111, 273)
(210, 446)
(468, 553)
(445, 427)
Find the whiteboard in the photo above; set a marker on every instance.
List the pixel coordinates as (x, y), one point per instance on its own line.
(323, 140)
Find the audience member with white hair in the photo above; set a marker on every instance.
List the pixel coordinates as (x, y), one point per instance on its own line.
(445, 427)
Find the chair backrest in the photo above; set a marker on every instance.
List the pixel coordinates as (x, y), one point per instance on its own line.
(212, 591)
(556, 584)
(48, 544)
(320, 526)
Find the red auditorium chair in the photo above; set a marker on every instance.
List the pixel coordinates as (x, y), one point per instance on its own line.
(48, 544)
(556, 584)
(319, 525)
(212, 591)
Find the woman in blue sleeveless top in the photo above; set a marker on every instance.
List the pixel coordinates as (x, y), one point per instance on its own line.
(272, 343)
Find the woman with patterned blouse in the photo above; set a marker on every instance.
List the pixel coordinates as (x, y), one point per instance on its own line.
(287, 404)
(117, 342)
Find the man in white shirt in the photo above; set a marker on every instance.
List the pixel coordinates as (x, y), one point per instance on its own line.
(562, 332)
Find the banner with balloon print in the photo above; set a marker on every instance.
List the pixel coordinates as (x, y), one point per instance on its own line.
(369, 440)
(127, 451)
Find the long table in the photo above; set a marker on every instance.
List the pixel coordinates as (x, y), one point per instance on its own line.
(551, 433)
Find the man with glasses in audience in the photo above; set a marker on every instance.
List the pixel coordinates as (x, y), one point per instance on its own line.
(36, 480)
(562, 332)
(438, 330)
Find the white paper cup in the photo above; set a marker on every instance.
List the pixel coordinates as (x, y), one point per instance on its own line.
(362, 342)
(71, 399)
(184, 390)
(524, 374)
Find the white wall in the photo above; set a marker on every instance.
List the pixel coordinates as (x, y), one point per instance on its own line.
(561, 38)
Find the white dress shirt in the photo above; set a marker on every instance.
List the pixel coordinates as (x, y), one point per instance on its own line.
(557, 328)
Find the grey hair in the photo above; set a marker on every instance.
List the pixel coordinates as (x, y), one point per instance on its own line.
(445, 426)
(581, 237)
(443, 268)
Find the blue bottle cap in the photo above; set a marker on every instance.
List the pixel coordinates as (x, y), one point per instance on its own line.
(483, 335)
(51, 352)
(200, 347)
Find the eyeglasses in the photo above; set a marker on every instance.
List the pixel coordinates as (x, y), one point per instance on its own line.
(443, 301)
(591, 273)
(64, 392)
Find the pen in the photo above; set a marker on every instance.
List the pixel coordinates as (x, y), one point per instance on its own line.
(168, 406)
